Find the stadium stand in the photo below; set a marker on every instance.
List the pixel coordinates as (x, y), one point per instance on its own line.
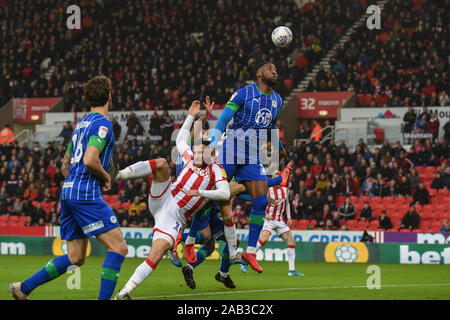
(160, 54)
(404, 64)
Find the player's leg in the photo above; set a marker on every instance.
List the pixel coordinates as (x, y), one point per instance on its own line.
(223, 275)
(258, 191)
(165, 231)
(263, 238)
(159, 247)
(117, 249)
(143, 169)
(76, 253)
(199, 223)
(289, 240)
(202, 254)
(229, 227)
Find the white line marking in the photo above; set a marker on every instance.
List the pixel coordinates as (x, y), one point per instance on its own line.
(288, 289)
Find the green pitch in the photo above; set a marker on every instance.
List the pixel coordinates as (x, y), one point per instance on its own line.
(322, 281)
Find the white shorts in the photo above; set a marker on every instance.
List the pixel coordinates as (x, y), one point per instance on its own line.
(279, 227)
(165, 210)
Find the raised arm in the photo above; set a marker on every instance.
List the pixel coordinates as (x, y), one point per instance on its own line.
(184, 133)
(233, 105)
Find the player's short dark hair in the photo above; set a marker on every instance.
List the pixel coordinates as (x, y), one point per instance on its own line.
(259, 65)
(97, 90)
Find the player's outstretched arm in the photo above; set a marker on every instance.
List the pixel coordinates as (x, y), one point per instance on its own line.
(221, 193)
(185, 130)
(196, 131)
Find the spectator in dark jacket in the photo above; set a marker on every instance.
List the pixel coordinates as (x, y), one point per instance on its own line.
(385, 221)
(66, 132)
(346, 210)
(411, 219)
(366, 212)
(117, 129)
(409, 119)
(404, 187)
(421, 196)
(438, 182)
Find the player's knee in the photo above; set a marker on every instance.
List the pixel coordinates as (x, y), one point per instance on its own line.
(77, 260)
(161, 164)
(123, 250)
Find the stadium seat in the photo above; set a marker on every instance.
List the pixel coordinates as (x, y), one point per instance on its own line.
(359, 99)
(350, 223)
(22, 220)
(312, 222)
(288, 83)
(126, 205)
(114, 197)
(106, 197)
(4, 218)
(375, 223)
(13, 219)
(300, 227)
(435, 229)
(420, 169)
(303, 222)
(430, 169)
(404, 230)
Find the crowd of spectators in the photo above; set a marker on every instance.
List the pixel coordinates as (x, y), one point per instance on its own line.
(324, 172)
(161, 53)
(405, 63)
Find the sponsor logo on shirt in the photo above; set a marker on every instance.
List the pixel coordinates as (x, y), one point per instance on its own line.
(263, 117)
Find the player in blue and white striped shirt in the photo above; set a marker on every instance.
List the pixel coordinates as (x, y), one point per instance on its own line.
(84, 213)
(254, 110)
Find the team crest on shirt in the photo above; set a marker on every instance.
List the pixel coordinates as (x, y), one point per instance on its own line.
(102, 132)
(263, 117)
(234, 95)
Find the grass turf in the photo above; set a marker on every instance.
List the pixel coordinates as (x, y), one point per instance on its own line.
(322, 281)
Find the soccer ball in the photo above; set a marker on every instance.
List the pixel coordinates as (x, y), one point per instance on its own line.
(282, 36)
(346, 253)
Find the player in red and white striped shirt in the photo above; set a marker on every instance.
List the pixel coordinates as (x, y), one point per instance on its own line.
(278, 204)
(173, 203)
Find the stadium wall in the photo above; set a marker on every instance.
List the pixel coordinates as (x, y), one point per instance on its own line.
(332, 252)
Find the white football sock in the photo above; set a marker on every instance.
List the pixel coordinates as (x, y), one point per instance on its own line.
(251, 249)
(291, 258)
(140, 274)
(137, 170)
(231, 237)
(259, 244)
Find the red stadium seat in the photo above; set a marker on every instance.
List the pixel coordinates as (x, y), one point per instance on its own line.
(420, 169)
(114, 197)
(375, 223)
(303, 222)
(126, 205)
(350, 223)
(4, 218)
(13, 219)
(288, 83)
(106, 197)
(359, 99)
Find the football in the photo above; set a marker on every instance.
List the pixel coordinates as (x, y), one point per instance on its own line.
(282, 36)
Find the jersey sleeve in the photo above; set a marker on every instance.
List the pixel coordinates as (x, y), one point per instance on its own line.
(100, 134)
(237, 100)
(219, 173)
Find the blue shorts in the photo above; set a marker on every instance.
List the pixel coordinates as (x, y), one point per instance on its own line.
(81, 219)
(245, 172)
